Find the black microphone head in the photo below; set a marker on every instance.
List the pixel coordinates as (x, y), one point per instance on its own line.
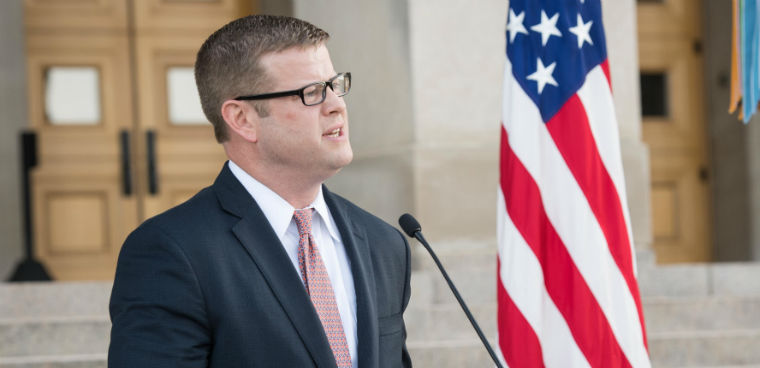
(409, 224)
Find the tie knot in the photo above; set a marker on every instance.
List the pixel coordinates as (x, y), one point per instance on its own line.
(303, 220)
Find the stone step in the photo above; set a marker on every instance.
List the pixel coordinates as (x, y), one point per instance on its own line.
(683, 332)
(671, 314)
(689, 280)
(448, 321)
(450, 354)
(720, 349)
(463, 254)
(697, 316)
(54, 324)
(699, 279)
(705, 348)
(731, 349)
(662, 315)
(717, 366)
(23, 337)
(56, 361)
(477, 286)
(471, 264)
(54, 299)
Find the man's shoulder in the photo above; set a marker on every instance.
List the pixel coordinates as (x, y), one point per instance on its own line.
(203, 200)
(195, 213)
(359, 215)
(350, 208)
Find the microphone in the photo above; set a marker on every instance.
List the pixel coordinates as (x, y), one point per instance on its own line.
(412, 228)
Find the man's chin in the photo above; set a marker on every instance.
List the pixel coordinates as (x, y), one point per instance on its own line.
(341, 165)
(343, 157)
(349, 157)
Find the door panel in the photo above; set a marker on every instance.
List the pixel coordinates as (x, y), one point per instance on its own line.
(81, 216)
(683, 125)
(187, 15)
(81, 14)
(186, 155)
(670, 18)
(670, 46)
(679, 210)
(81, 219)
(106, 54)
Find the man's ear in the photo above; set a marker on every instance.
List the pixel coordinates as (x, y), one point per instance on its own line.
(239, 116)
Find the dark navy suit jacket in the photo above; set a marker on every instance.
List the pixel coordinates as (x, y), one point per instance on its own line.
(208, 284)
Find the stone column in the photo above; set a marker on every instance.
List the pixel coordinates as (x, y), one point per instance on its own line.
(622, 51)
(371, 40)
(12, 120)
(424, 110)
(458, 71)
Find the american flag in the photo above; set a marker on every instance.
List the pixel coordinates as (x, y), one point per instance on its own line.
(567, 291)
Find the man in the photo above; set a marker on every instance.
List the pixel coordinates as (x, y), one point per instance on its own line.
(266, 267)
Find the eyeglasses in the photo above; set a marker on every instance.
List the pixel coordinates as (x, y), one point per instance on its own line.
(311, 94)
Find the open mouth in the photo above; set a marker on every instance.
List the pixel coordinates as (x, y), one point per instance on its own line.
(334, 133)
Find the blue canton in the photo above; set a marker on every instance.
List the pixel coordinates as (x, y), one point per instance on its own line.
(552, 45)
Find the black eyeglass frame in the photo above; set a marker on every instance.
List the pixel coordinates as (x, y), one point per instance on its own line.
(299, 92)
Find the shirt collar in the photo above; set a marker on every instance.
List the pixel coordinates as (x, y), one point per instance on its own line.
(277, 210)
(320, 206)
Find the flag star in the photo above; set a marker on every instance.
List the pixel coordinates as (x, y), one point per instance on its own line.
(547, 27)
(515, 25)
(543, 75)
(581, 31)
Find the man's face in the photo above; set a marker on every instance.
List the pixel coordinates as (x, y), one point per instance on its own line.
(310, 139)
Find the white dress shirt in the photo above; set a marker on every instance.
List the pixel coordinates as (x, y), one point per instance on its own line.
(279, 213)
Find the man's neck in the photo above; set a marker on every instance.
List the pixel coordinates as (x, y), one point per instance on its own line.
(298, 191)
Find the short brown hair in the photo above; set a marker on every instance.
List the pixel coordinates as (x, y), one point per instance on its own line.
(228, 65)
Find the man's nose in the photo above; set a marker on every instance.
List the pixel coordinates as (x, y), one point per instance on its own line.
(333, 103)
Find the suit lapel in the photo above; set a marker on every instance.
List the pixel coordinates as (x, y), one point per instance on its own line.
(262, 244)
(357, 248)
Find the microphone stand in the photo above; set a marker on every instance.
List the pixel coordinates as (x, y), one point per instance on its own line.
(418, 235)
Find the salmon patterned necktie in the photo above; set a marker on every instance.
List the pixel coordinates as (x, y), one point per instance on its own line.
(319, 288)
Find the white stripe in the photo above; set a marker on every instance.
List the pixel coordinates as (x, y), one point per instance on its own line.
(569, 212)
(596, 97)
(523, 279)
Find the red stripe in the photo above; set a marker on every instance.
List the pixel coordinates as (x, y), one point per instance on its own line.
(571, 132)
(563, 281)
(517, 340)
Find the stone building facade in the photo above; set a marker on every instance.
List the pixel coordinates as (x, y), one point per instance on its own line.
(424, 114)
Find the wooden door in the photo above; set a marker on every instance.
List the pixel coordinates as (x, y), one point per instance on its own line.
(112, 100)
(673, 115)
(185, 154)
